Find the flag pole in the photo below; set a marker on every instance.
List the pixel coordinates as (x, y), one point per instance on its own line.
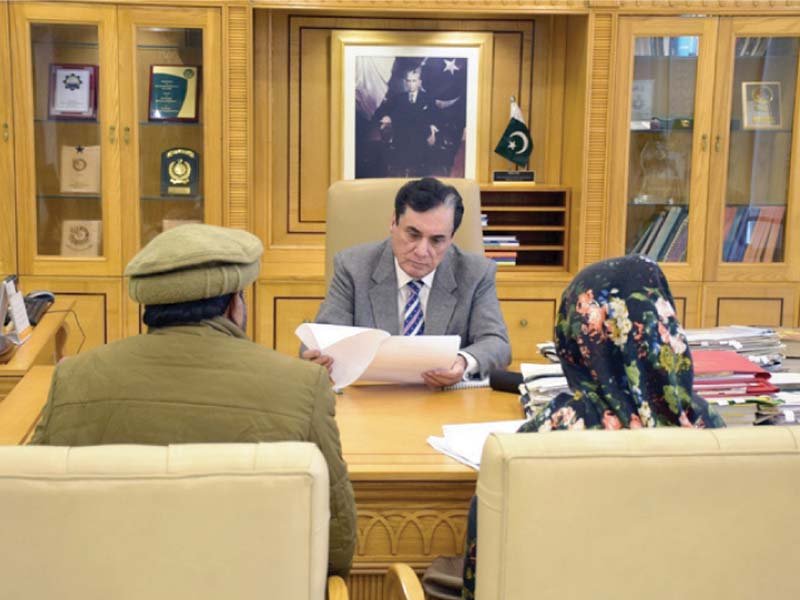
(514, 101)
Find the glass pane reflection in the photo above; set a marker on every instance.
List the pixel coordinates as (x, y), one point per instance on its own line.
(662, 120)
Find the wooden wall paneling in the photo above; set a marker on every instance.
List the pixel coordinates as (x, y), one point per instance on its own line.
(237, 116)
(772, 305)
(98, 307)
(280, 306)
(687, 298)
(8, 233)
(574, 131)
(303, 40)
(310, 89)
(511, 76)
(593, 206)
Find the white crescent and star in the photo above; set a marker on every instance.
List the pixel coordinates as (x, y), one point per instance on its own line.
(512, 145)
(450, 66)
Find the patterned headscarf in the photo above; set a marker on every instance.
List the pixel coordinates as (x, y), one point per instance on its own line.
(623, 352)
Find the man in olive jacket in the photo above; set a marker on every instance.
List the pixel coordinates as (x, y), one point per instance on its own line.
(195, 377)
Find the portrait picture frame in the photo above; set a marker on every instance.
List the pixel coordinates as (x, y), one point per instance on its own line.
(174, 93)
(72, 92)
(761, 105)
(409, 104)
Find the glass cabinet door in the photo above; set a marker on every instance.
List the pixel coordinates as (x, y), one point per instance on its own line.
(660, 176)
(67, 136)
(758, 124)
(171, 120)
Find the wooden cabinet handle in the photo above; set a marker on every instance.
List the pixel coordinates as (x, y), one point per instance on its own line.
(717, 143)
(523, 322)
(112, 134)
(6, 133)
(704, 142)
(126, 135)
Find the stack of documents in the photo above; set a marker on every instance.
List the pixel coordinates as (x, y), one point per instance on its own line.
(464, 443)
(375, 355)
(760, 345)
(540, 384)
(735, 385)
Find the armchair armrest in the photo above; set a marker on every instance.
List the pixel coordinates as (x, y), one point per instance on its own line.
(337, 589)
(401, 583)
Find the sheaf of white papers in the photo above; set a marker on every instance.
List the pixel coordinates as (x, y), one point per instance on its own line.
(374, 355)
(464, 442)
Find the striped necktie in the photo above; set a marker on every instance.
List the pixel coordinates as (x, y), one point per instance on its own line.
(413, 321)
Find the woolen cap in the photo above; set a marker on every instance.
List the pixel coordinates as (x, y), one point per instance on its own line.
(193, 262)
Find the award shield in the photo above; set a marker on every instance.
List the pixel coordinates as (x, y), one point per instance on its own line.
(180, 172)
(174, 93)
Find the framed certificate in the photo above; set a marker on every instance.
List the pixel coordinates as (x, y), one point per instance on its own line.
(761, 105)
(80, 170)
(73, 92)
(174, 93)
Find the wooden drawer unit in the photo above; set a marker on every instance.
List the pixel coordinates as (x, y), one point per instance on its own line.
(750, 304)
(529, 322)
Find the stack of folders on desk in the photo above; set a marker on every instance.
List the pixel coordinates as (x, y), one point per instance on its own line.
(540, 384)
(761, 345)
(734, 384)
(786, 408)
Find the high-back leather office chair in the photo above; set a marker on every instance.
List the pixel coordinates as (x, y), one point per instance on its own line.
(190, 521)
(651, 513)
(360, 211)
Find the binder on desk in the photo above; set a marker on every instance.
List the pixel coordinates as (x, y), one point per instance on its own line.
(712, 368)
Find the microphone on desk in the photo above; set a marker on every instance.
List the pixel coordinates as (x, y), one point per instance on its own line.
(505, 381)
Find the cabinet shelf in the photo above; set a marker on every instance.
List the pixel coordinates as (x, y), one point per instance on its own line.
(536, 216)
(67, 196)
(523, 228)
(170, 124)
(523, 209)
(198, 198)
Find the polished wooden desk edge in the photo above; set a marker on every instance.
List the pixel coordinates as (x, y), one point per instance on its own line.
(21, 409)
(42, 335)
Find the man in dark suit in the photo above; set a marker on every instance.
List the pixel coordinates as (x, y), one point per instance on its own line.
(417, 282)
(406, 121)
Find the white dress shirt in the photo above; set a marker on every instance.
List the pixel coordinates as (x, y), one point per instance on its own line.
(402, 297)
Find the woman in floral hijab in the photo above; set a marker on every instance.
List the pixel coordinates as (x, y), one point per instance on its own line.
(625, 358)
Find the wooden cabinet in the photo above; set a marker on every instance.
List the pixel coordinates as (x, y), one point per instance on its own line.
(108, 168)
(704, 152)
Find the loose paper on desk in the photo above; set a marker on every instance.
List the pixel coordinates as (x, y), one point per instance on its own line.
(374, 355)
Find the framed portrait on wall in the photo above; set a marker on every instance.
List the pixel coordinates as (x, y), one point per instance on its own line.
(408, 104)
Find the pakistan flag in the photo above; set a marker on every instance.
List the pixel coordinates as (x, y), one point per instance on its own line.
(516, 144)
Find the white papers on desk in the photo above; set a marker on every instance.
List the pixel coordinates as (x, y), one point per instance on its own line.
(464, 443)
(374, 355)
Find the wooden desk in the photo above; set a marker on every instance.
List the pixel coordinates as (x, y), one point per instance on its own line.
(412, 501)
(44, 347)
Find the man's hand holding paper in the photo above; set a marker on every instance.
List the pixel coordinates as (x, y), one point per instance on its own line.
(374, 355)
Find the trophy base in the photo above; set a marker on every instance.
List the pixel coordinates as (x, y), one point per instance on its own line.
(513, 176)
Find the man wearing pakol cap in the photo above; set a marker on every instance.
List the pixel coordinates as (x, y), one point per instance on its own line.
(195, 377)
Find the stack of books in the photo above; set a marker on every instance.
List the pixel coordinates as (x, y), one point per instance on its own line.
(496, 247)
(753, 233)
(665, 237)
